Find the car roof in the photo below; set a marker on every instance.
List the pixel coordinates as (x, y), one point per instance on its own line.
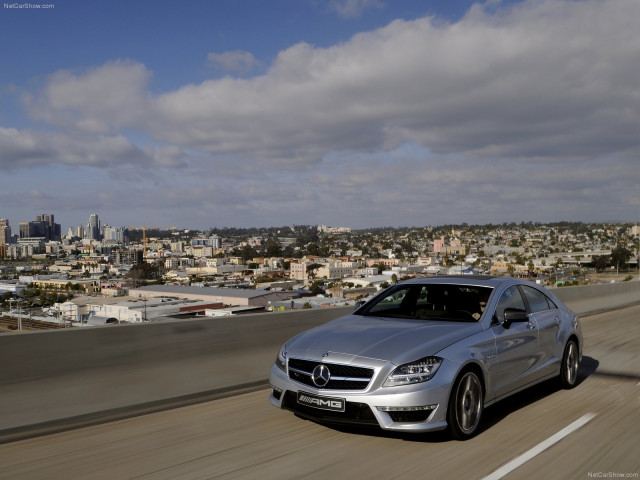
(478, 280)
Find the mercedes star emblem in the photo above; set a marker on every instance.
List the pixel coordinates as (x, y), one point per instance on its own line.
(320, 376)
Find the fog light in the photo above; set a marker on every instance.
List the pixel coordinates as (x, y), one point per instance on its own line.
(407, 409)
(277, 392)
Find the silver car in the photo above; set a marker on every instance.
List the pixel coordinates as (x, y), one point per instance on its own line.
(429, 354)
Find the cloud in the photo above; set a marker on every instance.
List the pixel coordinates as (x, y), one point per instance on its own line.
(100, 100)
(533, 103)
(237, 61)
(538, 80)
(32, 148)
(353, 8)
(530, 81)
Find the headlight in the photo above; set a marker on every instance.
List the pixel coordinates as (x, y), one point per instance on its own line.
(414, 372)
(281, 359)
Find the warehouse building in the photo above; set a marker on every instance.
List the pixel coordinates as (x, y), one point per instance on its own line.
(227, 296)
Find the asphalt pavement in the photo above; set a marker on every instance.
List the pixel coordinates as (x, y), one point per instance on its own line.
(591, 431)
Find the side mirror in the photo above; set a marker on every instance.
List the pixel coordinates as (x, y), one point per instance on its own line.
(358, 304)
(514, 315)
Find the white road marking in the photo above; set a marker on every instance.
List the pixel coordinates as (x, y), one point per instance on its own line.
(542, 446)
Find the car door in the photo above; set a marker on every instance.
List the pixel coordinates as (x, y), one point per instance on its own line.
(516, 345)
(547, 316)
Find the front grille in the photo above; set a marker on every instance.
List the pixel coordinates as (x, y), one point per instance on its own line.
(343, 377)
(354, 413)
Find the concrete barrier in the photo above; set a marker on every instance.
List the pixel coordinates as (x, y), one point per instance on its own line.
(50, 378)
(74, 373)
(591, 298)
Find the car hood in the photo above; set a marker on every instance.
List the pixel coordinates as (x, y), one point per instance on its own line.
(388, 339)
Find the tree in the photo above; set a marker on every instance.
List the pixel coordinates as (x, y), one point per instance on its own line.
(316, 288)
(313, 249)
(5, 297)
(143, 271)
(620, 256)
(272, 248)
(312, 268)
(379, 266)
(600, 262)
(247, 253)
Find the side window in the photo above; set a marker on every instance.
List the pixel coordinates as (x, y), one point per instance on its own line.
(552, 305)
(423, 298)
(538, 301)
(510, 298)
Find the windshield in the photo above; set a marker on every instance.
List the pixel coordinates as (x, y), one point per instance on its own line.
(435, 301)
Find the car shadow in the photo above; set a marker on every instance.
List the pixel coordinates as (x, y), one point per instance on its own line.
(492, 415)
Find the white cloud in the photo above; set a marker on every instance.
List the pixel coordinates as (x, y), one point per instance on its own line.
(30, 149)
(100, 100)
(236, 61)
(539, 80)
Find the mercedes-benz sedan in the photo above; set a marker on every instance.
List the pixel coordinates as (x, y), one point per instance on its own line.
(429, 354)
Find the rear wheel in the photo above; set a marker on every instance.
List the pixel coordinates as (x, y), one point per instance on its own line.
(569, 366)
(466, 405)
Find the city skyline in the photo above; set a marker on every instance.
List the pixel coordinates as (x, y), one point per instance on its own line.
(358, 113)
(84, 230)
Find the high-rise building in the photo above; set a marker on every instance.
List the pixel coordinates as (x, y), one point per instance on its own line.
(43, 227)
(24, 229)
(93, 228)
(5, 237)
(50, 229)
(115, 234)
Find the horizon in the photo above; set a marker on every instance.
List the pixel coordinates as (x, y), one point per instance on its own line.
(161, 228)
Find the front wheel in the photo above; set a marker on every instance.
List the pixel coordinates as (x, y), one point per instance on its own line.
(569, 367)
(466, 405)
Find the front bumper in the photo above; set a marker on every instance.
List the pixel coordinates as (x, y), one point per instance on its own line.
(416, 408)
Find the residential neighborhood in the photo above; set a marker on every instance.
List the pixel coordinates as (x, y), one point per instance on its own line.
(89, 273)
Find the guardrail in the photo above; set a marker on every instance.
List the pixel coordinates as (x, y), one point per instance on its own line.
(50, 377)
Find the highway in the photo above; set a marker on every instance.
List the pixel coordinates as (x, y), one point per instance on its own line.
(243, 437)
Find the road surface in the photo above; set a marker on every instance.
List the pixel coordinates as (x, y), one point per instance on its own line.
(243, 437)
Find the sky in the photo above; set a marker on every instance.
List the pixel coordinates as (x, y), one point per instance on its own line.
(354, 113)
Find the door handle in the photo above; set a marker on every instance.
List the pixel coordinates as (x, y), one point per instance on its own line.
(530, 326)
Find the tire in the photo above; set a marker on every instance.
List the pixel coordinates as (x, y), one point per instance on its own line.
(569, 367)
(466, 405)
